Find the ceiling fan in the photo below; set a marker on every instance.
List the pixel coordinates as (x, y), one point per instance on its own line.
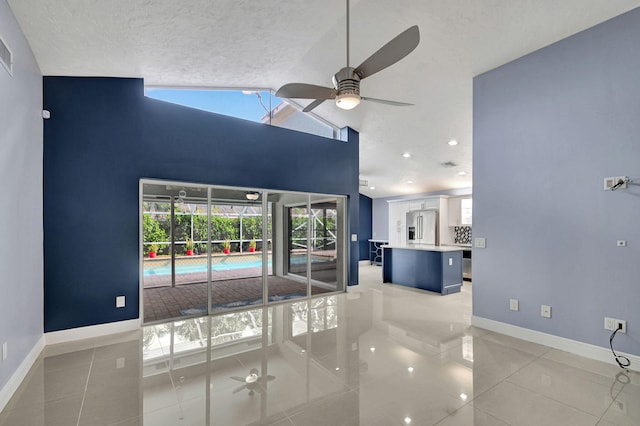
(252, 382)
(346, 82)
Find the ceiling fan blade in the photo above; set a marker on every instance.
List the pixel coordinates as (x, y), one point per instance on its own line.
(390, 53)
(305, 91)
(240, 388)
(237, 378)
(313, 104)
(384, 101)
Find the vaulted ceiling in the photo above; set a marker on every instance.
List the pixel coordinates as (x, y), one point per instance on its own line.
(265, 44)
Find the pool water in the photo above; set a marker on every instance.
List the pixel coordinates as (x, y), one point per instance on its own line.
(226, 264)
(191, 268)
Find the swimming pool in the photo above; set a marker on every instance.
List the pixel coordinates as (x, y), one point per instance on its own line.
(199, 265)
(164, 268)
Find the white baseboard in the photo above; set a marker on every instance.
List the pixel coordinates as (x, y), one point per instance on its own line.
(21, 372)
(99, 330)
(586, 350)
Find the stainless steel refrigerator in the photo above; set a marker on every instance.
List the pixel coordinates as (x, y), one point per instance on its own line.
(422, 227)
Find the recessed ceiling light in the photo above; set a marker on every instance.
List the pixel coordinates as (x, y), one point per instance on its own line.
(462, 173)
(406, 155)
(407, 420)
(453, 142)
(372, 349)
(463, 396)
(372, 187)
(409, 181)
(410, 369)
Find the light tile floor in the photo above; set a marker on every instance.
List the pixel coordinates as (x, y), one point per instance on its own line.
(378, 355)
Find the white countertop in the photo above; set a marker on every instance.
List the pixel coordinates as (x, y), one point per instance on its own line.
(463, 246)
(379, 241)
(426, 247)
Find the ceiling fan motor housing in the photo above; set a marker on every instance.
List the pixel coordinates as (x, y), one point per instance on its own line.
(346, 81)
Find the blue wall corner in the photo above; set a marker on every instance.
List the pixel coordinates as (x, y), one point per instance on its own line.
(105, 135)
(365, 226)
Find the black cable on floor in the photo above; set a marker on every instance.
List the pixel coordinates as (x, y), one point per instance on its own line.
(622, 361)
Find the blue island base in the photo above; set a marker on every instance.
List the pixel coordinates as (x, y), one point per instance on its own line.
(433, 270)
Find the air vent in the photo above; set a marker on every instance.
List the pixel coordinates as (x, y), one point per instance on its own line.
(448, 164)
(6, 58)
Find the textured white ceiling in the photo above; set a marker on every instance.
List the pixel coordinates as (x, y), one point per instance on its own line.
(242, 43)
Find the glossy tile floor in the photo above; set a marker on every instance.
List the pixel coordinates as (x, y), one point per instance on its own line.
(378, 355)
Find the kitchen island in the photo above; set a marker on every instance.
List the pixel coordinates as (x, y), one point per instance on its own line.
(428, 267)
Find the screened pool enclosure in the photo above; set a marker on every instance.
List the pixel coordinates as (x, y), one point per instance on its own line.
(207, 249)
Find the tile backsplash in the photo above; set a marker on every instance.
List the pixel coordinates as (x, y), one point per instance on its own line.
(462, 234)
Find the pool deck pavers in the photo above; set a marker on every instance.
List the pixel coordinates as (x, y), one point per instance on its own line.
(161, 303)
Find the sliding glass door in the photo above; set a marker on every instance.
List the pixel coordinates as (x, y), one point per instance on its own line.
(237, 249)
(207, 249)
(326, 246)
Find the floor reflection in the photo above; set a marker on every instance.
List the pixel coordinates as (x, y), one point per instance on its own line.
(377, 355)
(245, 367)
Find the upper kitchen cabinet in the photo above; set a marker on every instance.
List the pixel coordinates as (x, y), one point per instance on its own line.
(425, 203)
(466, 211)
(460, 211)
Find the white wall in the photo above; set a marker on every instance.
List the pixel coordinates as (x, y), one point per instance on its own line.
(21, 246)
(380, 209)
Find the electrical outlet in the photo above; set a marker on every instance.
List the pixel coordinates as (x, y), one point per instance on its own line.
(545, 311)
(624, 179)
(120, 301)
(614, 324)
(611, 181)
(481, 242)
(450, 261)
(514, 305)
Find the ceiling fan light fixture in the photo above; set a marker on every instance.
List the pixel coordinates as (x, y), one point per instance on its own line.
(347, 101)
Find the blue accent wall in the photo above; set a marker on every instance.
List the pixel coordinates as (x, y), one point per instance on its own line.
(104, 135)
(364, 226)
(547, 129)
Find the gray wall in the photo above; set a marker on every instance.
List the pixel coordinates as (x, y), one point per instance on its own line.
(21, 201)
(547, 129)
(380, 214)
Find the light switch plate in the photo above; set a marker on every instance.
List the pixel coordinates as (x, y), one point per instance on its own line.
(120, 302)
(514, 305)
(481, 242)
(354, 237)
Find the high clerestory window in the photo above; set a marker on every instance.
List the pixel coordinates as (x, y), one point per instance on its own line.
(258, 105)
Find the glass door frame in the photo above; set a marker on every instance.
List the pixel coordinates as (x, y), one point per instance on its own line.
(277, 251)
